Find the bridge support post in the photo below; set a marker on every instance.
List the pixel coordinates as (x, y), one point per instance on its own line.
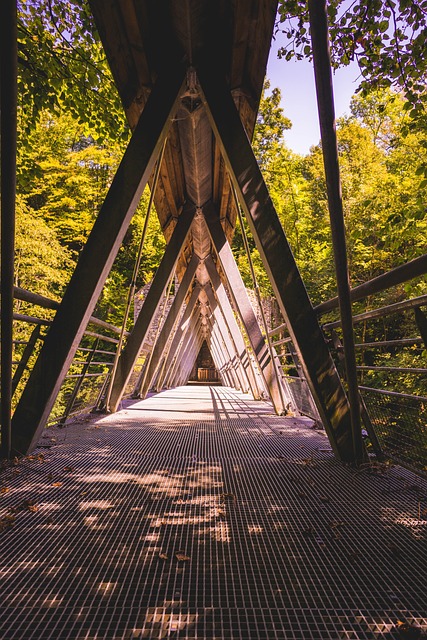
(190, 354)
(177, 340)
(95, 262)
(222, 349)
(8, 114)
(295, 305)
(237, 337)
(227, 339)
(191, 329)
(219, 358)
(135, 341)
(243, 305)
(146, 378)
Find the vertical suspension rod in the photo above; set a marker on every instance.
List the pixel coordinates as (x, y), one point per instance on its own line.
(325, 101)
(8, 127)
(258, 296)
(132, 287)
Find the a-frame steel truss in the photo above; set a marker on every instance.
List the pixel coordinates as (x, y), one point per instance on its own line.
(212, 299)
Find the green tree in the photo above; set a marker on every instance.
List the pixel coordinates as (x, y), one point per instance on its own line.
(387, 38)
(63, 68)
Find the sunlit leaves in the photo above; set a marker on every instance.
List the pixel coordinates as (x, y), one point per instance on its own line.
(62, 68)
(387, 38)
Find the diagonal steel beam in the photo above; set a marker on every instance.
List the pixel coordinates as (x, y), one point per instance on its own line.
(223, 351)
(237, 337)
(96, 261)
(226, 337)
(146, 378)
(218, 357)
(243, 305)
(192, 325)
(189, 364)
(131, 352)
(319, 368)
(178, 339)
(189, 351)
(8, 142)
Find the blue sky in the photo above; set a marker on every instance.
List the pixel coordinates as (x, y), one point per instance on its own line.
(296, 82)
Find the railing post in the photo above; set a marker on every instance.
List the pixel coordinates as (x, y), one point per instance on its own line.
(8, 124)
(325, 101)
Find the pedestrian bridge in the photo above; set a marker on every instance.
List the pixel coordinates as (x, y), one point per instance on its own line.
(203, 511)
(199, 513)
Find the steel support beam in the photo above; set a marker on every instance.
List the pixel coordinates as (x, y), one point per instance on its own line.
(178, 339)
(192, 358)
(131, 351)
(243, 305)
(227, 339)
(188, 337)
(146, 378)
(237, 337)
(301, 320)
(325, 101)
(218, 359)
(8, 124)
(222, 357)
(225, 356)
(190, 351)
(28, 352)
(222, 353)
(96, 261)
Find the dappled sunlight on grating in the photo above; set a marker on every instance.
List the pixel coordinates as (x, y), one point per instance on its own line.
(198, 513)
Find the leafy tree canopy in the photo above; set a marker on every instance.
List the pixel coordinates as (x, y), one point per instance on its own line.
(387, 38)
(63, 68)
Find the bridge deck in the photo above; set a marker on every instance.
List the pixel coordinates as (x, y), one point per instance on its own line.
(199, 514)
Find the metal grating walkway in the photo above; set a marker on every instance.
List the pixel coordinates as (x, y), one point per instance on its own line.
(199, 514)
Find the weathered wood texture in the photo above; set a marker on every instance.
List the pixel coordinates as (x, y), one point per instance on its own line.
(141, 38)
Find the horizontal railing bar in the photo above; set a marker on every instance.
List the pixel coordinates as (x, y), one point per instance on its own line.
(86, 375)
(20, 317)
(102, 351)
(92, 334)
(279, 342)
(19, 341)
(382, 311)
(48, 303)
(408, 396)
(91, 364)
(106, 325)
(281, 327)
(397, 369)
(388, 343)
(34, 298)
(398, 275)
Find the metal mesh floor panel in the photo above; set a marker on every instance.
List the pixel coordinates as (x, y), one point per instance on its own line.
(197, 513)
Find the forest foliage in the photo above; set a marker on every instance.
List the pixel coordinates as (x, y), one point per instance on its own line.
(72, 134)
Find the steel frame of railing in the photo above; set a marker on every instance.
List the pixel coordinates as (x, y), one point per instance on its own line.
(399, 275)
(95, 350)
